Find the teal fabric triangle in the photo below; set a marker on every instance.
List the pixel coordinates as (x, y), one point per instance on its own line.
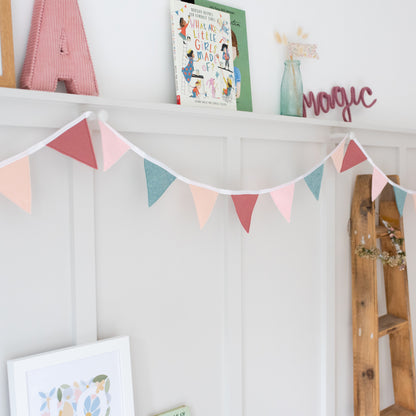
(314, 181)
(158, 180)
(400, 199)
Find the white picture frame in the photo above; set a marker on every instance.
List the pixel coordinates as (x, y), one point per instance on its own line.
(94, 376)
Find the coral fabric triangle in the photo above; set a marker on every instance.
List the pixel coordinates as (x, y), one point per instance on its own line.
(15, 183)
(204, 200)
(113, 147)
(338, 156)
(76, 143)
(379, 181)
(283, 198)
(353, 156)
(244, 206)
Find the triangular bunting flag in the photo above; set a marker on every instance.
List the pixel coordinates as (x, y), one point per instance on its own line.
(378, 183)
(353, 156)
(338, 156)
(204, 202)
(158, 180)
(113, 146)
(414, 200)
(283, 199)
(400, 198)
(76, 143)
(244, 206)
(314, 181)
(15, 183)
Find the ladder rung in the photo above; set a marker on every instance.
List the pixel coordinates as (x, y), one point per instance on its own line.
(387, 324)
(396, 410)
(382, 232)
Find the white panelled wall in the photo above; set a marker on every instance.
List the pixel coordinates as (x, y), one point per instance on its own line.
(228, 323)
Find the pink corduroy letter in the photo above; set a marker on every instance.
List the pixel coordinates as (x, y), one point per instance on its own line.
(57, 50)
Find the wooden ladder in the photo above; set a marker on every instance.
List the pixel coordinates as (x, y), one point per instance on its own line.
(368, 327)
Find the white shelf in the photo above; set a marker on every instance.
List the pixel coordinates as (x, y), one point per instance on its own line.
(83, 103)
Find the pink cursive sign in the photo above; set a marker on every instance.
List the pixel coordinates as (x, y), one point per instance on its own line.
(338, 96)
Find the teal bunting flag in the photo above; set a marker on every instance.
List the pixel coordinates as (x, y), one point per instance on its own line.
(158, 180)
(314, 181)
(400, 199)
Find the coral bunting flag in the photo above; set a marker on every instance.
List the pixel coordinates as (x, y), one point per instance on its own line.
(353, 156)
(244, 206)
(314, 181)
(283, 198)
(204, 203)
(15, 183)
(158, 180)
(379, 181)
(338, 156)
(113, 147)
(76, 143)
(400, 199)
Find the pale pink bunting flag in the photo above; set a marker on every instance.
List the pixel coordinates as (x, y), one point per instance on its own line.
(414, 200)
(204, 203)
(378, 183)
(113, 147)
(283, 198)
(338, 156)
(15, 183)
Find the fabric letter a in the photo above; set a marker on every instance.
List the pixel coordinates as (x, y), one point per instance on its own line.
(57, 50)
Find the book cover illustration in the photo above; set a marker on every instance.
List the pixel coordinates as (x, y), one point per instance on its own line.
(239, 51)
(204, 70)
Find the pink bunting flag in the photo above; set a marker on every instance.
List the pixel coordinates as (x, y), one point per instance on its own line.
(204, 200)
(113, 147)
(338, 156)
(353, 156)
(378, 183)
(414, 200)
(283, 198)
(244, 206)
(76, 143)
(15, 183)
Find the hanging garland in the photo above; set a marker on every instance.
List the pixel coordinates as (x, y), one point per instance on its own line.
(74, 140)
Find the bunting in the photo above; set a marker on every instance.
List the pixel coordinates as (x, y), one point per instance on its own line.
(338, 156)
(204, 200)
(76, 143)
(112, 145)
(400, 198)
(244, 206)
(283, 199)
(379, 181)
(314, 181)
(74, 140)
(353, 156)
(158, 180)
(15, 183)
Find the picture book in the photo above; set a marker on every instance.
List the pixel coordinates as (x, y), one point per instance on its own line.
(239, 51)
(202, 53)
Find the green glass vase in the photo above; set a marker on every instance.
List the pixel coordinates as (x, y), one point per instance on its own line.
(291, 90)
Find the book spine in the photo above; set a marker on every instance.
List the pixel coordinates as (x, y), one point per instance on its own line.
(175, 52)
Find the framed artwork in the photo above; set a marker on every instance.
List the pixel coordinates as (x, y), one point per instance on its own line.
(93, 379)
(7, 75)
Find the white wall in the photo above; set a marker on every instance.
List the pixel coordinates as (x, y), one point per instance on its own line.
(158, 277)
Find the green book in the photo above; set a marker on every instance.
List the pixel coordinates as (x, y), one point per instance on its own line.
(241, 62)
(179, 411)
